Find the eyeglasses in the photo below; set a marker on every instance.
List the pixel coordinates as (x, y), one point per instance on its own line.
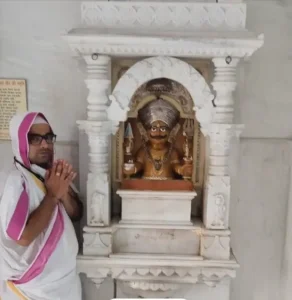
(36, 139)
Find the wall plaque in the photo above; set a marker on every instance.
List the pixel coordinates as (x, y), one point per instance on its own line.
(12, 100)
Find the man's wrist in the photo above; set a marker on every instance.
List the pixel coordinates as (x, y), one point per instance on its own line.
(52, 198)
(66, 197)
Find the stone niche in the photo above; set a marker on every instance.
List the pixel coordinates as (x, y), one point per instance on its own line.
(167, 238)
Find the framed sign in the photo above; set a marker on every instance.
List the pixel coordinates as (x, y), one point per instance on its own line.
(12, 100)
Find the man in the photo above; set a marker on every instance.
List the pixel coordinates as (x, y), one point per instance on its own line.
(38, 245)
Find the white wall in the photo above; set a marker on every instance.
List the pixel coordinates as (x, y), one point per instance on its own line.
(265, 95)
(260, 193)
(31, 47)
(258, 217)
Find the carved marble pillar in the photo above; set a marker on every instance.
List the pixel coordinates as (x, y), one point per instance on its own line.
(98, 129)
(222, 129)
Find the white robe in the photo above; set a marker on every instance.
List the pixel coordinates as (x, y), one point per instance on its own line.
(46, 269)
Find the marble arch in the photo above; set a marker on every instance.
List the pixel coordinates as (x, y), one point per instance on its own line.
(157, 67)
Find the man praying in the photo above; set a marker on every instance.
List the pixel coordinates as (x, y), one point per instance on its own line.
(38, 244)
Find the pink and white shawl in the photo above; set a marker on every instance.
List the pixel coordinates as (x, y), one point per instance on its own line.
(46, 269)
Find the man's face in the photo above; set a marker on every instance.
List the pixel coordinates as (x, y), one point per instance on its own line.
(158, 133)
(41, 145)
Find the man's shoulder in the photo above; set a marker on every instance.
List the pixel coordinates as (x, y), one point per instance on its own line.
(14, 173)
(11, 184)
(15, 177)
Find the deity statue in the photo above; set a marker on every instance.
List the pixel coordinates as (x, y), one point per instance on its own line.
(157, 158)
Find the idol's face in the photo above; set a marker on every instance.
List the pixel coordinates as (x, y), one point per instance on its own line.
(158, 133)
(41, 145)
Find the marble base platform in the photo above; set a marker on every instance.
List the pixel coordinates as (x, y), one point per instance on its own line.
(157, 239)
(156, 207)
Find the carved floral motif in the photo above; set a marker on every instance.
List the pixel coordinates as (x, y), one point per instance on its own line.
(220, 211)
(159, 278)
(216, 208)
(166, 272)
(179, 16)
(175, 90)
(96, 243)
(97, 202)
(152, 286)
(98, 196)
(149, 289)
(215, 246)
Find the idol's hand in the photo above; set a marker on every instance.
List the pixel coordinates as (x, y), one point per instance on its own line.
(129, 169)
(186, 170)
